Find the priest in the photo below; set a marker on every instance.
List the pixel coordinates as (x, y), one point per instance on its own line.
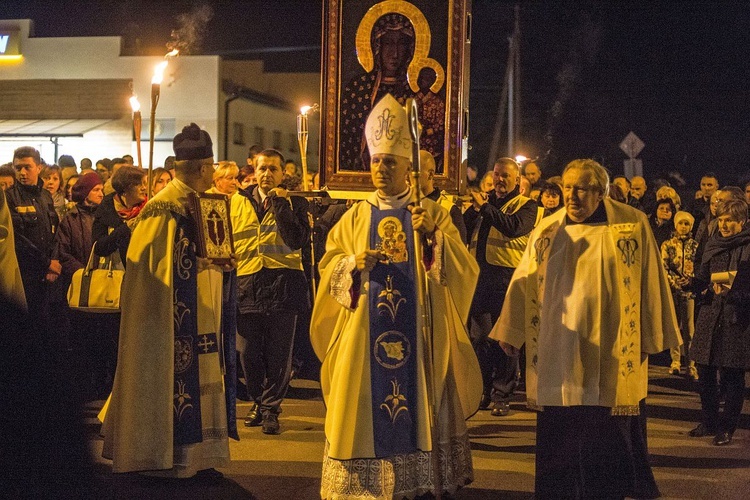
(591, 300)
(172, 405)
(368, 333)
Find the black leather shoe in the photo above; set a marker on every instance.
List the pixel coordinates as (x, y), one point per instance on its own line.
(500, 409)
(701, 431)
(253, 418)
(723, 438)
(270, 423)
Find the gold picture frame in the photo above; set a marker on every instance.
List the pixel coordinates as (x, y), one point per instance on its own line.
(437, 35)
(211, 214)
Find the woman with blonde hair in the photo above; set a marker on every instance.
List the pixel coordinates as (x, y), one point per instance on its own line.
(225, 178)
(52, 177)
(670, 193)
(161, 177)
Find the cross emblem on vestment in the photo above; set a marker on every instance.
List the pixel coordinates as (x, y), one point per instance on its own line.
(205, 343)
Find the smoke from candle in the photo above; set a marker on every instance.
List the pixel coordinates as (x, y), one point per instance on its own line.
(187, 38)
(582, 53)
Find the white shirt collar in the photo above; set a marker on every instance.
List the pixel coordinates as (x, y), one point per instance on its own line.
(388, 202)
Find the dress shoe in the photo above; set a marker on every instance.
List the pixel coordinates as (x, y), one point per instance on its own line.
(500, 409)
(701, 431)
(723, 438)
(270, 423)
(253, 418)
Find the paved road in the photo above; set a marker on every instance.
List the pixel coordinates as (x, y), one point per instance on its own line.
(287, 467)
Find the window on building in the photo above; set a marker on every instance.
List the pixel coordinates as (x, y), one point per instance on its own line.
(239, 133)
(260, 138)
(292, 143)
(277, 139)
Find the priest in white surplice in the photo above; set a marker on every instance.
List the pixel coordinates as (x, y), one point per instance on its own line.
(591, 300)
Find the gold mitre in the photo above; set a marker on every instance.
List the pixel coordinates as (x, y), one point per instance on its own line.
(387, 129)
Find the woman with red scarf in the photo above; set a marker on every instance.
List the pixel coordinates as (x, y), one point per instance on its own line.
(111, 230)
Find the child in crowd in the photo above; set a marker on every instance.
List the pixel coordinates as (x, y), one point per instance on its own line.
(678, 254)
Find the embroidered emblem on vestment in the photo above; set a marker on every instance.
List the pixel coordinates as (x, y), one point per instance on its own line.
(392, 349)
(395, 403)
(183, 353)
(390, 299)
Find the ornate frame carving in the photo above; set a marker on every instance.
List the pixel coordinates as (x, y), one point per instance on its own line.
(448, 50)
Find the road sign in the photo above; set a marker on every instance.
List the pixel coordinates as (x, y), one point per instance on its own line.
(632, 145)
(633, 166)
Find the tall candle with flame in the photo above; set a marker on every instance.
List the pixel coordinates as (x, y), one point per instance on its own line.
(302, 136)
(137, 127)
(155, 93)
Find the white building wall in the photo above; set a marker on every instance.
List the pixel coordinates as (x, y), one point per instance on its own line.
(189, 92)
(252, 114)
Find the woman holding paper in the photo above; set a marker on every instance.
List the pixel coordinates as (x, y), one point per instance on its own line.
(721, 347)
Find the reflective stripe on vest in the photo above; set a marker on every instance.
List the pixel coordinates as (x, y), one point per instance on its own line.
(257, 244)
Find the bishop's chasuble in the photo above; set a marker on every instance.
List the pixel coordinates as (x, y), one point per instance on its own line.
(368, 333)
(169, 411)
(590, 301)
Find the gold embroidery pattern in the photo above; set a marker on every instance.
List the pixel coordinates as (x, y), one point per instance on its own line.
(395, 403)
(181, 259)
(392, 299)
(180, 310)
(400, 476)
(181, 400)
(392, 349)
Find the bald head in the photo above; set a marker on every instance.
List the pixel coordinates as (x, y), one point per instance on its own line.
(637, 186)
(532, 172)
(426, 172)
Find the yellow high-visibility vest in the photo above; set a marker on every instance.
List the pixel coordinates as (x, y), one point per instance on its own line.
(502, 250)
(258, 244)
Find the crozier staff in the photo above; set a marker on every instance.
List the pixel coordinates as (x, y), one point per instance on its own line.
(365, 328)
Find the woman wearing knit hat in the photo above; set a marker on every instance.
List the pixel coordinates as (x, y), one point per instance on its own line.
(678, 254)
(74, 242)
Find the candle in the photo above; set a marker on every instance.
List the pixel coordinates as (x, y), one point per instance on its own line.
(137, 126)
(302, 135)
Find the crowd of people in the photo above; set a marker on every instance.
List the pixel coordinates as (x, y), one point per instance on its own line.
(504, 284)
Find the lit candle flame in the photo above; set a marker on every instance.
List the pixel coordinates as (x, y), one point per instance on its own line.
(172, 53)
(135, 104)
(521, 158)
(159, 72)
(305, 109)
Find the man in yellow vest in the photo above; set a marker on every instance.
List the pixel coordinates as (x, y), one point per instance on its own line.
(269, 229)
(499, 225)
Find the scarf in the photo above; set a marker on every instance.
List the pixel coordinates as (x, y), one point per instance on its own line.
(718, 244)
(126, 213)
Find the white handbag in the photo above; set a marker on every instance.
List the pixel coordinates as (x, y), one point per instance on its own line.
(94, 289)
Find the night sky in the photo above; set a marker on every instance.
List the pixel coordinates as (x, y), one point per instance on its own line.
(677, 73)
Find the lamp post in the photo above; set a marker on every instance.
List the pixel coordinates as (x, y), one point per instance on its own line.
(137, 126)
